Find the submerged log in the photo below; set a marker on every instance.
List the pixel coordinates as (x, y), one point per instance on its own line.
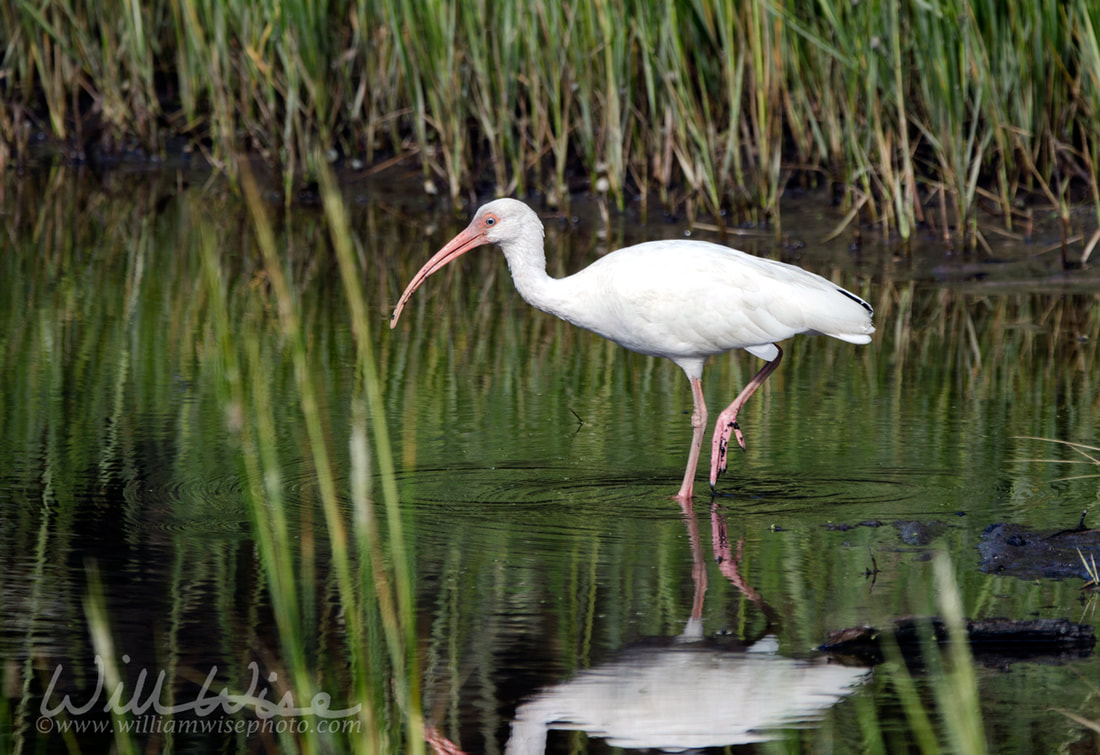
(991, 640)
(1032, 554)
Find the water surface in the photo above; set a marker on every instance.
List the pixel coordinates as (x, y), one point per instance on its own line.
(536, 466)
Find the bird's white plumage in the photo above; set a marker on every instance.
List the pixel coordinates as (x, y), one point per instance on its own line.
(684, 300)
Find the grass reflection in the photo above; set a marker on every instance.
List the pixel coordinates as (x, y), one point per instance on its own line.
(191, 400)
(375, 595)
(132, 337)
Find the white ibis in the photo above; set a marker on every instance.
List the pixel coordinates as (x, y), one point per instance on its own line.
(683, 300)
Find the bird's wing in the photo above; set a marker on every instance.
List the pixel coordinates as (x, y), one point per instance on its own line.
(687, 298)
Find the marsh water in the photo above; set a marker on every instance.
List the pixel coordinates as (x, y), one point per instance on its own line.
(564, 600)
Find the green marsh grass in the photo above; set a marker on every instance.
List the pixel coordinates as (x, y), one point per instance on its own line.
(373, 583)
(1091, 456)
(947, 688)
(958, 114)
(1091, 570)
(212, 298)
(99, 626)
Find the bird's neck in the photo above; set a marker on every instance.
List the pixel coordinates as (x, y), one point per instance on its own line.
(527, 263)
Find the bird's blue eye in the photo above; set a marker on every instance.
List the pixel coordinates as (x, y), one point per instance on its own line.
(490, 220)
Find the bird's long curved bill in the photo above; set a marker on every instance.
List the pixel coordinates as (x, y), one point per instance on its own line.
(455, 248)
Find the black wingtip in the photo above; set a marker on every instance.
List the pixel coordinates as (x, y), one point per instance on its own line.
(857, 300)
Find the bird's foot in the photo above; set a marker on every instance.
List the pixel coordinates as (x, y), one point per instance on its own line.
(721, 449)
(733, 429)
(738, 434)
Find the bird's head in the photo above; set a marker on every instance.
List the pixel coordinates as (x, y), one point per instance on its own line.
(504, 220)
(500, 222)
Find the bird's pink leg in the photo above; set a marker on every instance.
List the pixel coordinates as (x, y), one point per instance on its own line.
(698, 424)
(727, 420)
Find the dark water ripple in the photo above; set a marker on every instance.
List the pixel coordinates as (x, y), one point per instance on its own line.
(188, 505)
(534, 486)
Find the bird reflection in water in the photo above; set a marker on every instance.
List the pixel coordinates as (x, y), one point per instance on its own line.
(690, 692)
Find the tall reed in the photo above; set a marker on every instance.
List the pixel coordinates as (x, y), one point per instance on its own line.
(369, 563)
(951, 677)
(912, 113)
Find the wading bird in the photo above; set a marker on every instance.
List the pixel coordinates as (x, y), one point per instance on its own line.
(683, 300)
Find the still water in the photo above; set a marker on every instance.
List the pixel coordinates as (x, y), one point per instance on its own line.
(564, 602)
